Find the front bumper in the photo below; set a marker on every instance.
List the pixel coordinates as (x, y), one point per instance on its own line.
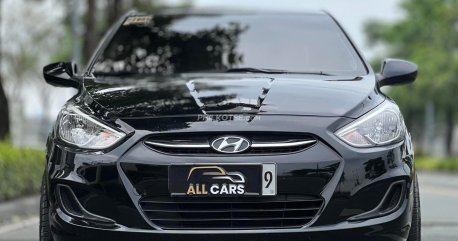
(394, 227)
(351, 182)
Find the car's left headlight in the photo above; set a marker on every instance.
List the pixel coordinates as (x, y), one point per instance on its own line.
(82, 130)
(382, 126)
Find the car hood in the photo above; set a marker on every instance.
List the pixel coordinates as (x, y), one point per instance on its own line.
(308, 95)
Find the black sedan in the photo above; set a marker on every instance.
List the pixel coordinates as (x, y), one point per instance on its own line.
(229, 126)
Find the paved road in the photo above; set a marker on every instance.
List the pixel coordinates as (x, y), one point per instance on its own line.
(439, 200)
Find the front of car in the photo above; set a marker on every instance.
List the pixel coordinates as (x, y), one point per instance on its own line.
(229, 126)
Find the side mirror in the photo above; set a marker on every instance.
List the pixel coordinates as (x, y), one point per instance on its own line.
(61, 74)
(397, 72)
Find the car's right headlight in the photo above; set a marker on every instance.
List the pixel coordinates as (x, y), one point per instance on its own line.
(82, 130)
(382, 126)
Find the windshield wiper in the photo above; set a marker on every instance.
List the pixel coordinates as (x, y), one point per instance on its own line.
(115, 73)
(272, 71)
(256, 70)
(232, 70)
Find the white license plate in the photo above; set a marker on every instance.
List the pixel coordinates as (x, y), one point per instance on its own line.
(269, 179)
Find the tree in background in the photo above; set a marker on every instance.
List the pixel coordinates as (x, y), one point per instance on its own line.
(25, 47)
(428, 35)
(4, 113)
(114, 9)
(90, 35)
(4, 110)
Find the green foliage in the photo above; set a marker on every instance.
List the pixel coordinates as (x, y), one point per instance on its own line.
(21, 171)
(434, 164)
(65, 48)
(154, 5)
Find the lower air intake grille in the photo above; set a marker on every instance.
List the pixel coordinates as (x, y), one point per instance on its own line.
(203, 213)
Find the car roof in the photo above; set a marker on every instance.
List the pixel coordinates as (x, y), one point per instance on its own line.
(229, 11)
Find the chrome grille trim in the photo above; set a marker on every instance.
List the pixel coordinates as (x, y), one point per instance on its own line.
(200, 143)
(253, 144)
(177, 145)
(282, 144)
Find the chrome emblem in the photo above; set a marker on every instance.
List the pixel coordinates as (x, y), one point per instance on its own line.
(230, 144)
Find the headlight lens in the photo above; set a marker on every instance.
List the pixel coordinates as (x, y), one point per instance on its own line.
(80, 129)
(382, 126)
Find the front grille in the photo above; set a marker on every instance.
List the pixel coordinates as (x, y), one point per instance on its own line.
(200, 143)
(283, 211)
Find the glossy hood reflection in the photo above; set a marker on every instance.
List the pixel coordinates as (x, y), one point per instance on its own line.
(234, 94)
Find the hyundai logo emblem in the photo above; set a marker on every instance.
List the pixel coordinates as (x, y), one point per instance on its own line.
(230, 144)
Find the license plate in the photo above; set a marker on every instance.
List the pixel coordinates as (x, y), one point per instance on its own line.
(215, 180)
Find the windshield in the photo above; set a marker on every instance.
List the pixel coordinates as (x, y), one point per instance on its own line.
(174, 44)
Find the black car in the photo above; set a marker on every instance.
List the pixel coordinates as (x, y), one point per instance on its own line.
(229, 126)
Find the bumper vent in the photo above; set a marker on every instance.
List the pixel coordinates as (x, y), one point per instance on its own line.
(199, 143)
(70, 205)
(247, 213)
(392, 200)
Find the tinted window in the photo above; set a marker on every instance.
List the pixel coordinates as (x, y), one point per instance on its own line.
(170, 44)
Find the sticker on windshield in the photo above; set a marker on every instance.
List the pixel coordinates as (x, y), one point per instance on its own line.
(138, 20)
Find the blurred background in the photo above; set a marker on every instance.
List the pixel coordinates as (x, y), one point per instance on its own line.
(37, 32)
